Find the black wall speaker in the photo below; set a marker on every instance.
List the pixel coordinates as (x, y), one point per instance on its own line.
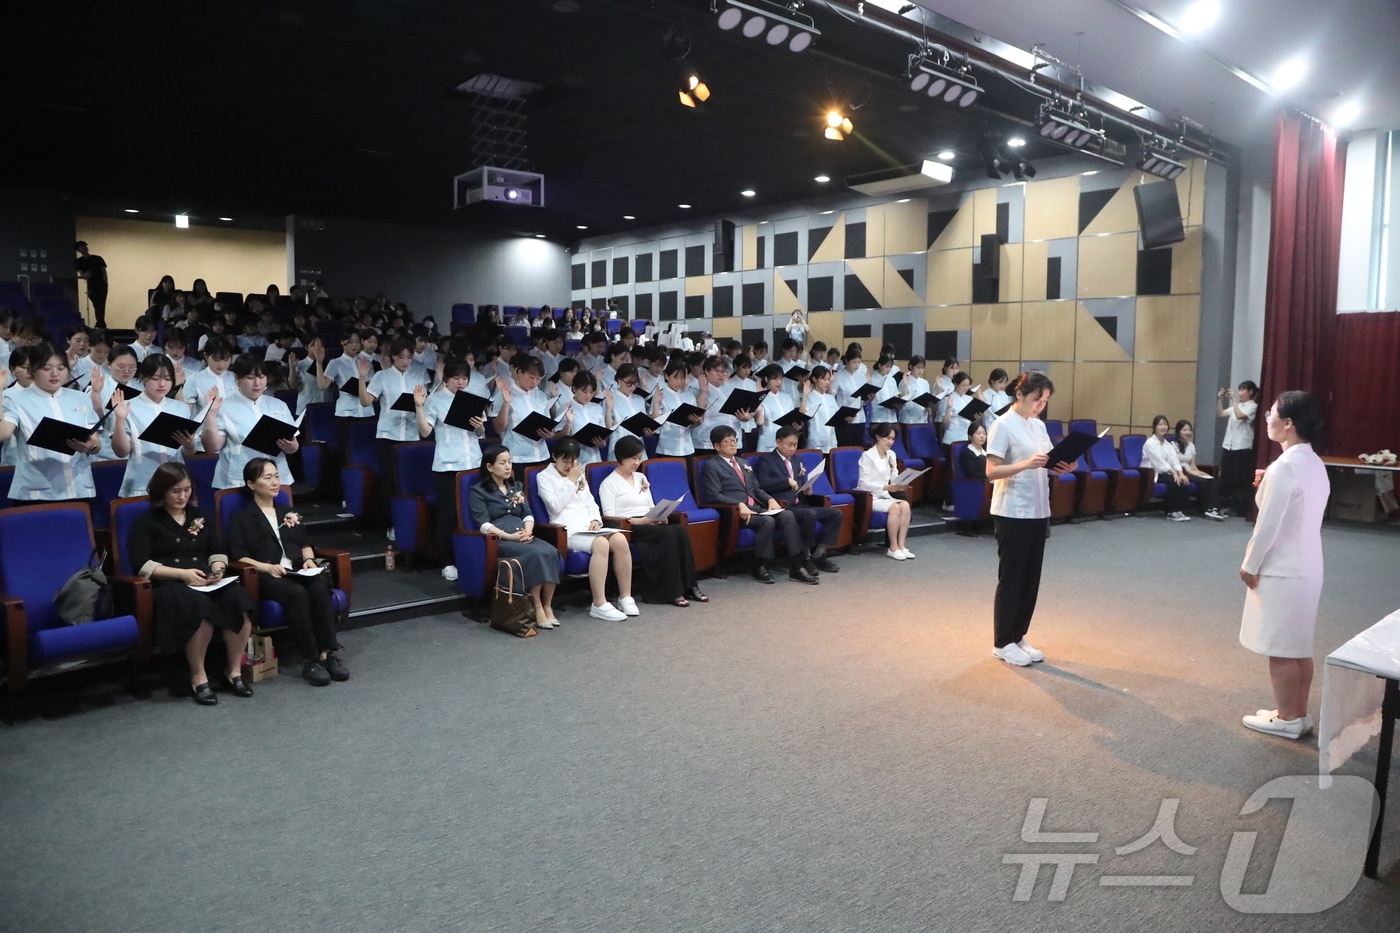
(1159, 214)
(990, 266)
(724, 246)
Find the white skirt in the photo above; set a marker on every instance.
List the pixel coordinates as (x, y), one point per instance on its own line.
(878, 504)
(1280, 615)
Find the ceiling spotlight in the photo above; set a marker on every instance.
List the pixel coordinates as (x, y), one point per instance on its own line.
(1016, 142)
(628, 217)
(130, 210)
(539, 236)
(693, 91)
(838, 125)
(1065, 128)
(581, 227)
(684, 207)
(182, 221)
(992, 159)
(939, 80)
(1346, 114)
(1289, 75)
(779, 23)
(1159, 158)
(947, 155)
(748, 192)
(1021, 170)
(1199, 16)
(822, 179)
(227, 220)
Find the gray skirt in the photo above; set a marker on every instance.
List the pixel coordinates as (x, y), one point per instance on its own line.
(539, 559)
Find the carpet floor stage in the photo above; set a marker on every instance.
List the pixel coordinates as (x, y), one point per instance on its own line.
(840, 757)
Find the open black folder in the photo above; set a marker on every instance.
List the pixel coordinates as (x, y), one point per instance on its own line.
(167, 424)
(533, 424)
(683, 414)
(973, 409)
(1075, 445)
(797, 373)
(793, 419)
(127, 394)
(640, 423)
(590, 434)
(866, 392)
(52, 434)
(894, 403)
(268, 431)
(404, 403)
(841, 415)
(465, 406)
(742, 400)
(351, 387)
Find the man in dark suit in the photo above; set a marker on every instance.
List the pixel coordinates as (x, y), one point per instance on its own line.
(728, 480)
(781, 474)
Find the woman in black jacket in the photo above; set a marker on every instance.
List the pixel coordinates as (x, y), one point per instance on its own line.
(270, 538)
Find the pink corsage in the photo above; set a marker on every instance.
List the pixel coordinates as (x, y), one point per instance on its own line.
(291, 520)
(646, 487)
(196, 527)
(516, 498)
(1258, 477)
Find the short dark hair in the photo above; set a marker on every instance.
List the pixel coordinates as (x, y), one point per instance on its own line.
(721, 432)
(1305, 413)
(217, 346)
(454, 366)
(253, 468)
(566, 449)
(882, 429)
(248, 366)
(525, 363)
(628, 446)
(584, 380)
(166, 477)
(787, 431)
(153, 364)
(1030, 382)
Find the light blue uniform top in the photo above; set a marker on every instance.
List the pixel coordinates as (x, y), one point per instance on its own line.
(340, 371)
(523, 449)
(44, 475)
(387, 385)
(236, 419)
(821, 407)
(141, 463)
(454, 449)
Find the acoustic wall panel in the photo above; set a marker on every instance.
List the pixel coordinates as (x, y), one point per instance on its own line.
(1119, 215)
(906, 225)
(958, 234)
(898, 292)
(828, 327)
(1164, 389)
(1047, 330)
(996, 331)
(1186, 262)
(1092, 342)
(1033, 270)
(1052, 208)
(1012, 272)
(871, 273)
(874, 232)
(1168, 328)
(1191, 192)
(785, 300)
(698, 285)
(953, 317)
(950, 277)
(833, 245)
(1108, 265)
(1103, 391)
(749, 247)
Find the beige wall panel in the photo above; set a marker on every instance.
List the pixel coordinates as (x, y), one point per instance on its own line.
(1186, 262)
(698, 285)
(1119, 215)
(1103, 391)
(1092, 342)
(1047, 330)
(1052, 208)
(139, 252)
(1061, 405)
(1167, 328)
(1164, 389)
(898, 293)
(1108, 266)
(833, 248)
(906, 227)
(980, 369)
(871, 273)
(827, 326)
(1012, 260)
(958, 233)
(956, 317)
(1191, 192)
(727, 327)
(784, 299)
(950, 277)
(875, 230)
(984, 213)
(1035, 257)
(750, 247)
(996, 332)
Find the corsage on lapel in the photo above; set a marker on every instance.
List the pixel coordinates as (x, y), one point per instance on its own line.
(291, 520)
(195, 527)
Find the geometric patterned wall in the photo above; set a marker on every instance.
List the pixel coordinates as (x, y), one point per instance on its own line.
(1114, 326)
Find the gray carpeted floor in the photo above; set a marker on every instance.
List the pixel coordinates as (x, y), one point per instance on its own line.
(841, 757)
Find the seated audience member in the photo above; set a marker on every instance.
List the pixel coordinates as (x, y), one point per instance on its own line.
(499, 508)
(176, 546)
(454, 450)
(781, 474)
(730, 481)
(1205, 483)
(271, 539)
(231, 420)
(1160, 456)
(973, 458)
(664, 552)
(43, 475)
(878, 470)
(564, 489)
(131, 419)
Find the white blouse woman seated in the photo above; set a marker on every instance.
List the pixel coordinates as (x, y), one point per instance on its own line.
(878, 471)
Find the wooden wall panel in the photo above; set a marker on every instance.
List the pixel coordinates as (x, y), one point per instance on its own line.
(833, 248)
(958, 233)
(827, 326)
(699, 285)
(1047, 330)
(1164, 389)
(1103, 391)
(950, 277)
(1167, 328)
(784, 299)
(1012, 273)
(1052, 208)
(984, 213)
(1186, 262)
(955, 317)
(996, 332)
(875, 229)
(1062, 402)
(724, 328)
(981, 369)
(871, 273)
(906, 227)
(1092, 342)
(1108, 266)
(1035, 258)
(1191, 192)
(1119, 215)
(749, 255)
(898, 293)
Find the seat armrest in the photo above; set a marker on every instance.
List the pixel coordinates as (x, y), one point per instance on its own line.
(624, 523)
(556, 535)
(815, 501)
(729, 526)
(678, 518)
(16, 642)
(133, 596)
(340, 568)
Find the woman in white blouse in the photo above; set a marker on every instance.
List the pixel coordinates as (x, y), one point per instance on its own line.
(878, 471)
(1206, 491)
(664, 549)
(1160, 456)
(564, 489)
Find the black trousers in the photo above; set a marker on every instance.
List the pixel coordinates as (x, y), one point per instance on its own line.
(666, 559)
(1176, 498)
(445, 514)
(99, 308)
(1237, 480)
(1020, 552)
(765, 526)
(807, 519)
(1207, 491)
(307, 608)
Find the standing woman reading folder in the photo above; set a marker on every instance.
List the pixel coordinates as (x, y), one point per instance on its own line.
(1017, 451)
(229, 423)
(64, 470)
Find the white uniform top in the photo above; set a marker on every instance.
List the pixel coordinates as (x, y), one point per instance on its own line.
(957, 424)
(821, 406)
(774, 406)
(143, 352)
(1027, 494)
(197, 386)
(876, 471)
(889, 388)
(791, 387)
(1239, 432)
(843, 384)
(1160, 456)
(590, 413)
(914, 386)
(189, 364)
(624, 407)
(570, 503)
(340, 371)
(626, 498)
(141, 463)
(454, 449)
(237, 418)
(522, 403)
(673, 440)
(44, 475)
(109, 389)
(1287, 539)
(387, 385)
(310, 393)
(714, 401)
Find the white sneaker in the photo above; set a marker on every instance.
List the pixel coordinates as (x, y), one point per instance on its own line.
(1035, 654)
(908, 554)
(1178, 517)
(607, 612)
(390, 535)
(1273, 714)
(896, 555)
(1292, 729)
(449, 573)
(1012, 654)
(628, 605)
(1214, 516)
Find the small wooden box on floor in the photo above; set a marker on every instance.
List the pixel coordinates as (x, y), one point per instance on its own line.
(1354, 498)
(262, 664)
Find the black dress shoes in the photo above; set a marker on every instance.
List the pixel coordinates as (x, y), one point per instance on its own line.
(800, 574)
(336, 668)
(204, 695)
(694, 595)
(827, 565)
(239, 688)
(315, 673)
(761, 574)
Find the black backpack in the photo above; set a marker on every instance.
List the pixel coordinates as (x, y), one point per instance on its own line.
(85, 596)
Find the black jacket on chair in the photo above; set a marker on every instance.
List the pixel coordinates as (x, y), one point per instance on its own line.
(249, 535)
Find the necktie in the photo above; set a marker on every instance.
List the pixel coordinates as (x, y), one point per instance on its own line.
(788, 463)
(742, 482)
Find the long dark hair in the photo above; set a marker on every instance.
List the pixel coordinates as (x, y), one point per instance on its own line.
(1180, 444)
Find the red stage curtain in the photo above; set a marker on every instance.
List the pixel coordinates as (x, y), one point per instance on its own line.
(1304, 251)
(1364, 416)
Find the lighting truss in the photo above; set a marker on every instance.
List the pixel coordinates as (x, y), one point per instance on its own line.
(1160, 158)
(942, 82)
(1066, 128)
(778, 23)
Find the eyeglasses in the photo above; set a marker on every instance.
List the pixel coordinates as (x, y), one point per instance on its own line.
(628, 383)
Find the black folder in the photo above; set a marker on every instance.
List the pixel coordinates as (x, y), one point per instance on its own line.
(590, 434)
(465, 406)
(742, 400)
(683, 414)
(640, 423)
(894, 403)
(866, 392)
(533, 424)
(351, 387)
(927, 399)
(403, 403)
(127, 392)
(793, 419)
(1075, 445)
(267, 432)
(1004, 409)
(973, 409)
(52, 434)
(797, 373)
(167, 424)
(841, 415)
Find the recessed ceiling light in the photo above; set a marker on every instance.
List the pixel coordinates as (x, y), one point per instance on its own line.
(684, 207)
(131, 210)
(1016, 142)
(182, 221)
(227, 220)
(1200, 16)
(748, 192)
(828, 212)
(1346, 113)
(539, 236)
(822, 179)
(902, 201)
(628, 217)
(1092, 171)
(582, 227)
(947, 155)
(1289, 75)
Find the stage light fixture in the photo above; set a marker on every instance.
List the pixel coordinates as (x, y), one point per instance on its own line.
(693, 91)
(838, 125)
(942, 82)
(1065, 128)
(992, 159)
(779, 23)
(1160, 158)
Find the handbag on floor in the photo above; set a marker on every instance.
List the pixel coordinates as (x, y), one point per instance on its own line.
(512, 612)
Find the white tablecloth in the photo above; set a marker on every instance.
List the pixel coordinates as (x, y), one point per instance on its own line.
(1352, 690)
